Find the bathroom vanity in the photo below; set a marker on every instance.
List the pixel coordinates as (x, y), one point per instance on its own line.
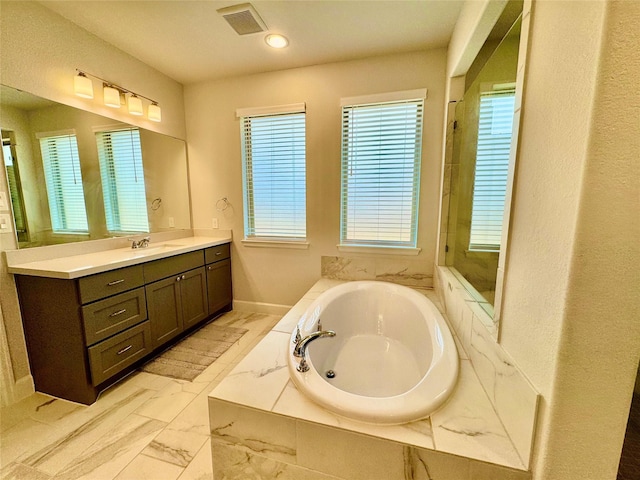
(91, 319)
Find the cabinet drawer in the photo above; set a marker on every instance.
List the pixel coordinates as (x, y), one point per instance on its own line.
(219, 252)
(166, 267)
(101, 285)
(118, 352)
(113, 315)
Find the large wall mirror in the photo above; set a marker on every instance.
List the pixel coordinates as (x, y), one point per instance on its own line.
(483, 138)
(74, 175)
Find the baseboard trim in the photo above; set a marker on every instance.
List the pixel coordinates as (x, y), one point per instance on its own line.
(260, 307)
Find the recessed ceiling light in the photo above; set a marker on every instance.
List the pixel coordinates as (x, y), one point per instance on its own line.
(276, 41)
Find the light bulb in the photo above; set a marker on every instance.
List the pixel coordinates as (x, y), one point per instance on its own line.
(135, 105)
(111, 96)
(83, 86)
(154, 113)
(276, 41)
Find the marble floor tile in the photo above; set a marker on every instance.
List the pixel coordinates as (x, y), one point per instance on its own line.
(166, 404)
(108, 456)
(147, 468)
(200, 467)
(17, 471)
(175, 446)
(146, 426)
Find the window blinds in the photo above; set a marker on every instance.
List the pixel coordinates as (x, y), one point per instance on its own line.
(381, 153)
(120, 156)
(64, 183)
(492, 163)
(274, 172)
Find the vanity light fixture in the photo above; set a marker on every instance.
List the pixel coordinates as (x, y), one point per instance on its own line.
(115, 95)
(83, 86)
(276, 40)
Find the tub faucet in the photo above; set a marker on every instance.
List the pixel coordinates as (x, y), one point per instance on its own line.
(301, 345)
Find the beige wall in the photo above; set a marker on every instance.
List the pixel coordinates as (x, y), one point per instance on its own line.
(570, 302)
(281, 276)
(40, 52)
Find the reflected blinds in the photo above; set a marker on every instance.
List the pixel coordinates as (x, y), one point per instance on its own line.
(492, 163)
(63, 179)
(381, 152)
(274, 161)
(120, 156)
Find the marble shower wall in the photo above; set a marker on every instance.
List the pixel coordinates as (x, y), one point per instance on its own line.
(513, 397)
(406, 271)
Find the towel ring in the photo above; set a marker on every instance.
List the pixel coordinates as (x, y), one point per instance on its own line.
(222, 204)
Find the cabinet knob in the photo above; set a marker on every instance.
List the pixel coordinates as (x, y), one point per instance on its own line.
(178, 278)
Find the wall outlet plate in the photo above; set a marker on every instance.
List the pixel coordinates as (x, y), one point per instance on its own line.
(214, 223)
(6, 224)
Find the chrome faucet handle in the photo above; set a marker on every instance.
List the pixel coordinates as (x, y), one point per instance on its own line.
(298, 337)
(319, 329)
(303, 366)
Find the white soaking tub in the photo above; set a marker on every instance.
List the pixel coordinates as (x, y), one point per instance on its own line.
(392, 359)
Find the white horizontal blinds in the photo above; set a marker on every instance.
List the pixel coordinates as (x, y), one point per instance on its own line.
(64, 183)
(492, 163)
(120, 156)
(275, 175)
(16, 199)
(381, 152)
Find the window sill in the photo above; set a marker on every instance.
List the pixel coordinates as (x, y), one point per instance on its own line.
(262, 243)
(410, 251)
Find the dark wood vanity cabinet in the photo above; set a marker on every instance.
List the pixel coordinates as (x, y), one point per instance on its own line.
(84, 334)
(179, 301)
(219, 291)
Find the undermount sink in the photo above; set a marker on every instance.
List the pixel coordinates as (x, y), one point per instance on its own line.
(151, 249)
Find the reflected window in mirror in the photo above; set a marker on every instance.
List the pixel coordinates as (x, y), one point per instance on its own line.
(480, 161)
(495, 126)
(63, 177)
(13, 180)
(123, 188)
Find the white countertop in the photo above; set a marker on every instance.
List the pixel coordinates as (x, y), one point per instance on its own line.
(76, 266)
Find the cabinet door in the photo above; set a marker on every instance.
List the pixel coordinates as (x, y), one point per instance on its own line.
(219, 285)
(193, 292)
(165, 309)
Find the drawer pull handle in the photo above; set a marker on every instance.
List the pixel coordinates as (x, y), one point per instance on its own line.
(115, 282)
(218, 254)
(119, 312)
(125, 349)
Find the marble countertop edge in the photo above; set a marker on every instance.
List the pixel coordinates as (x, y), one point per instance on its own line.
(76, 266)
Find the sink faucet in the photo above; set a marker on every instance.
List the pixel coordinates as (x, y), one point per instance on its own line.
(300, 349)
(142, 243)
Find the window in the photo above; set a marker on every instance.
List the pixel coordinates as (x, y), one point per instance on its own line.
(120, 156)
(381, 156)
(495, 126)
(274, 173)
(63, 180)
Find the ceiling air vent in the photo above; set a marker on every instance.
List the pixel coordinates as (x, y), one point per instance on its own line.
(243, 19)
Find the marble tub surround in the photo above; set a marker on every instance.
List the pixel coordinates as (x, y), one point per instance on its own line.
(75, 260)
(511, 394)
(408, 272)
(259, 418)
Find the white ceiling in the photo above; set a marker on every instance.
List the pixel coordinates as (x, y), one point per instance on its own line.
(190, 42)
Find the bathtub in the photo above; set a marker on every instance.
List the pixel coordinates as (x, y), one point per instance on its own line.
(392, 359)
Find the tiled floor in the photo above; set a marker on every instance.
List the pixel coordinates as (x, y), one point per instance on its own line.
(145, 427)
